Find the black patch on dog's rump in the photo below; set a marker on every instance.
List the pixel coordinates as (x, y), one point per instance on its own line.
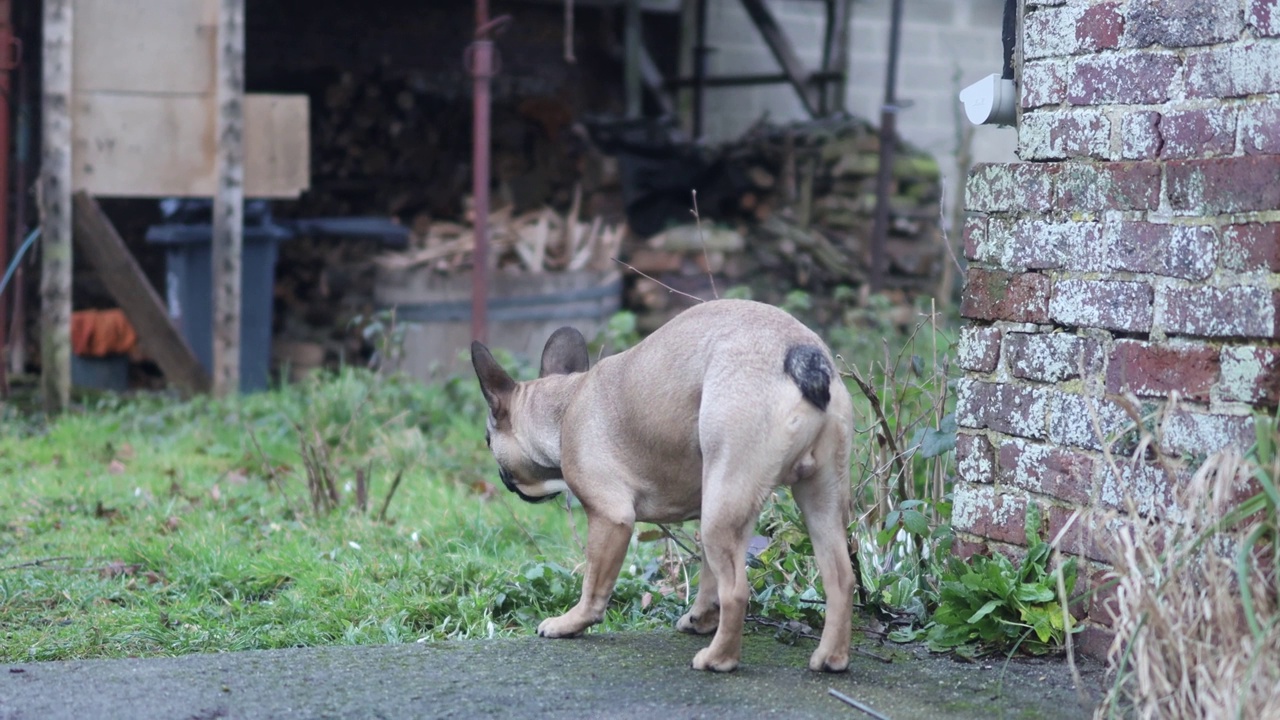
(812, 372)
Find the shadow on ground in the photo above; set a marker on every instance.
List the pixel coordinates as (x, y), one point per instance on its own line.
(628, 675)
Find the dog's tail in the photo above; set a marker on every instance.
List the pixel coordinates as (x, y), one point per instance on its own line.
(812, 372)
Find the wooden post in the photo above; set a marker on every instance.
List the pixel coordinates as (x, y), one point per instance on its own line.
(55, 209)
(228, 200)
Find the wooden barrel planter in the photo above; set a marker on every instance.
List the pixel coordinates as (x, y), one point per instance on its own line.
(523, 312)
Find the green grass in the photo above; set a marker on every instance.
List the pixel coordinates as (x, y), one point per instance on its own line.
(148, 527)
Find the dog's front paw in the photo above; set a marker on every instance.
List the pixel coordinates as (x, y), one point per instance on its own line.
(564, 626)
(822, 661)
(707, 660)
(703, 624)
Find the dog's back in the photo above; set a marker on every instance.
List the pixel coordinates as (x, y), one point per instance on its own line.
(728, 378)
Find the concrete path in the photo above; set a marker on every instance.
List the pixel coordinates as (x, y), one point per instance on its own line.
(631, 675)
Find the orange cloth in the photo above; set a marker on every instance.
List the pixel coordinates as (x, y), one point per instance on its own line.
(96, 333)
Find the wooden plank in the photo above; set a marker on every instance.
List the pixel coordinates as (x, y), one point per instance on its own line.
(150, 46)
(55, 208)
(277, 145)
(130, 145)
(105, 250)
(784, 53)
(228, 199)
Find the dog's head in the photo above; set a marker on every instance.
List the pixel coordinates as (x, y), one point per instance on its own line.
(513, 433)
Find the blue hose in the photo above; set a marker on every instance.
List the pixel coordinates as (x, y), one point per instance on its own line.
(26, 245)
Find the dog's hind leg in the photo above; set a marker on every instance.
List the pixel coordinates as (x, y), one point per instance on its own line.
(607, 538)
(730, 507)
(824, 499)
(704, 615)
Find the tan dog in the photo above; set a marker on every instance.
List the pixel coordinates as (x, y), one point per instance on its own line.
(704, 418)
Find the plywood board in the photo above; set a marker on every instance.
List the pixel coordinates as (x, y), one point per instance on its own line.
(149, 46)
(136, 145)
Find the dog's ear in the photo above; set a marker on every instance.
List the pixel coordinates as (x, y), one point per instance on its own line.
(495, 383)
(566, 352)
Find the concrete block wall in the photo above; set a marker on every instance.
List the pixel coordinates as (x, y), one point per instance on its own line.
(946, 45)
(1134, 254)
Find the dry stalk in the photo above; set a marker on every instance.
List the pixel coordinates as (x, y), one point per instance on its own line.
(1198, 606)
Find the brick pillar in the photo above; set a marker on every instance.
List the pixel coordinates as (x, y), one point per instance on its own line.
(1134, 253)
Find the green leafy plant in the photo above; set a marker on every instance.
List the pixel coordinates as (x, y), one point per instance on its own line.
(992, 604)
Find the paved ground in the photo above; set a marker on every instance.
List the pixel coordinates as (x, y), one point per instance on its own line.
(630, 675)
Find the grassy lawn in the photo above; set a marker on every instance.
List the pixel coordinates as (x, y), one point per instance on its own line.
(159, 528)
(149, 526)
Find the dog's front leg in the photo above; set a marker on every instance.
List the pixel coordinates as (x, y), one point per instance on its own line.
(607, 540)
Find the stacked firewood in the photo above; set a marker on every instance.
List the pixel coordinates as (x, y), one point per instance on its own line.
(802, 206)
(532, 242)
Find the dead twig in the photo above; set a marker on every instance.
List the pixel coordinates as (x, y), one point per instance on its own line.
(386, 501)
(876, 406)
(668, 287)
(855, 704)
(703, 242)
(38, 563)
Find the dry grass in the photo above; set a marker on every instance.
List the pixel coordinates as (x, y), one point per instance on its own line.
(1198, 603)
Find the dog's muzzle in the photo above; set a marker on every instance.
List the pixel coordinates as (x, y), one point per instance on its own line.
(509, 481)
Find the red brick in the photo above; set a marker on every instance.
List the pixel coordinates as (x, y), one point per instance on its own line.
(975, 232)
(1206, 132)
(1051, 358)
(1078, 539)
(1183, 251)
(1046, 470)
(1044, 82)
(964, 548)
(1251, 375)
(978, 349)
(1082, 187)
(1250, 68)
(1181, 23)
(1148, 489)
(1112, 305)
(1142, 78)
(975, 459)
(1224, 185)
(1251, 247)
(1239, 311)
(1004, 407)
(1192, 432)
(982, 511)
(1062, 134)
(1010, 187)
(1264, 17)
(998, 295)
(1102, 588)
(1140, 135)
(1260, 127)
(1094, 642)
(1157, 370)
(1072, 30)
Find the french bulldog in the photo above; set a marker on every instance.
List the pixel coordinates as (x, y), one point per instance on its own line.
(703, 419)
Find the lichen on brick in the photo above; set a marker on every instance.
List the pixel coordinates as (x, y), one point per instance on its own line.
(1072, 421)
(1250, 374)
(1050, 358)
(1199, 433)
(1147, 488)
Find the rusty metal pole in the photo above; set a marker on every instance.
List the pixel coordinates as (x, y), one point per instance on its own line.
(888, 138)
(481, 56)
(8, 61)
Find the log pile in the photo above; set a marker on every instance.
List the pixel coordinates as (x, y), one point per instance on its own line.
(802, 199)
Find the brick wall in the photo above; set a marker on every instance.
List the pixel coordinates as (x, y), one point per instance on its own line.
(1135, 253)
